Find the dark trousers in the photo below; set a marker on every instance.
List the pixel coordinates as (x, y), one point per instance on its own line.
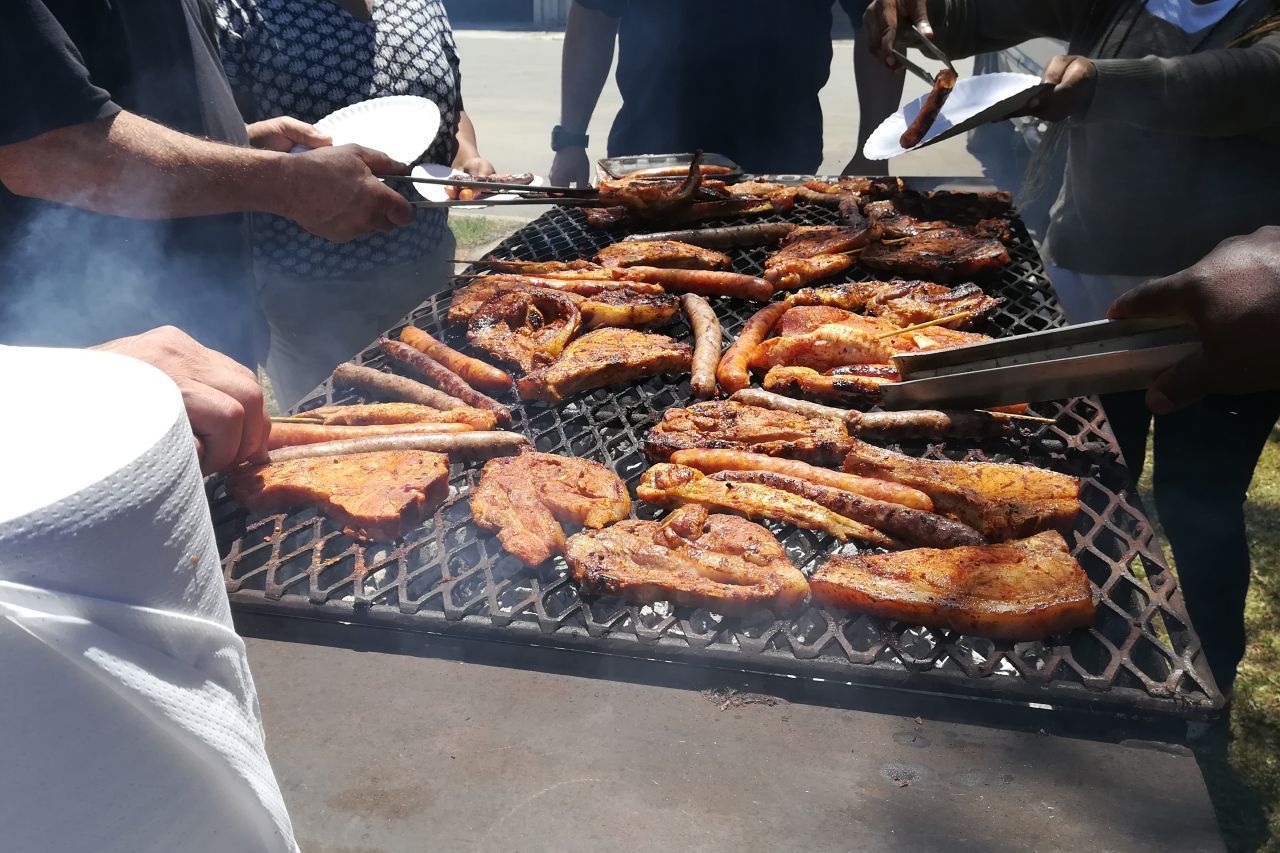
(1202, 461)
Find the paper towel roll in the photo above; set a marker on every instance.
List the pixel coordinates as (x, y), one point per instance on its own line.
(131, 719)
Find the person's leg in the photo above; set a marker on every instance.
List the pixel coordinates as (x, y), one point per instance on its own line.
(1203, 462)
(1130, 420)
(879, 96)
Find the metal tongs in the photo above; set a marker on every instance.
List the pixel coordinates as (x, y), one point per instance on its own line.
(1102, 357)
(928, 48)
(571, 196)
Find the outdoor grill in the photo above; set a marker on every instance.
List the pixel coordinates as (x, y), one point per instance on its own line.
(449, 577)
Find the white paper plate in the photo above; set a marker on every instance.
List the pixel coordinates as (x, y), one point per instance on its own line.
(436, 192)
(974, 101)
(400, 126)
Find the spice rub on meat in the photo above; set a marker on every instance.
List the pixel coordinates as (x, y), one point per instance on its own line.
(1022, 590)
(661, 253)
(526, 328)
(377, 496)
(735, 426)
(526, 498)
(721, 562)
(619, 304)
(904, 303)
(605, 357)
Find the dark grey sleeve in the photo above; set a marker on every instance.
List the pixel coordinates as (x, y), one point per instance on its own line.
(968, 27)
(1224, 92)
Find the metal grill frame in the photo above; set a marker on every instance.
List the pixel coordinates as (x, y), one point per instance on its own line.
(448, 577)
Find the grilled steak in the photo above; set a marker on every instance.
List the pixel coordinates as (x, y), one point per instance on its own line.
(526, 498)
(813, 252)
(1022, 590)
(903, 303)
(630, 305)
(527, 328)
(941, 255)
(605, 357)
(374, 496)
(721, 562)
(734, 426)
(661, 253)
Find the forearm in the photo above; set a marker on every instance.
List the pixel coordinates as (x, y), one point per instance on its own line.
(129, 166)
(468, 149)
(584, 66)
(1224, 92)
(968, 27)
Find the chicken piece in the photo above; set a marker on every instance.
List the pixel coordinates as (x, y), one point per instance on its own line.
(806, 319)
(673, 486)
(1028, 589)
(526, 498)
(661, 253)
(721, 562)
(794, 272)
(857, 188)
(841, 386)
(847, 296)
(903, 303)
(782, 196)
(498, 265)
(398, 413)
(735, 426)
(605, 357)
(527, 328)
(813, 252)
(944, 255)
(376, 497)
(653, 199)
(828, 346)
(1000, 500)
(626, 304)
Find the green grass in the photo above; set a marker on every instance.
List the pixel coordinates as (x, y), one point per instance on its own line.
(1243, 773)
(473, 232)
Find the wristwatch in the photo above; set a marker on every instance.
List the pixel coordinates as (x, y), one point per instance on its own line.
(561, 138)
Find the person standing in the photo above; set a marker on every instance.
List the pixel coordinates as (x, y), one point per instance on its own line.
(308, 58)
(127, 171)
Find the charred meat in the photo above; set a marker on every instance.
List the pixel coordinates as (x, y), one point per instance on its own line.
(945, 255)
(661, 253)
(605, 357)
(943, 82)
(734, 426)
(525, 327)
(904, 303)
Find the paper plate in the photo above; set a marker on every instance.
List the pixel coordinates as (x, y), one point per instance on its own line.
(436, 192)
(974, 101)
(400, 126)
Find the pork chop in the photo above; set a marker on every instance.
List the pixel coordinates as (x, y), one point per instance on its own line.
(605, 357)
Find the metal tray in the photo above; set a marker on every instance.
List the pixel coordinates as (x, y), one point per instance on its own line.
(450, 578)
(620, 167)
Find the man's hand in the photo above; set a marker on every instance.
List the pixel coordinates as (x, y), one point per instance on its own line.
(883, 20)
(335, 192)
(1075, 78)
(570, 168)
(477, 167)
(1233, 297)
(284, 132)
(222, 397)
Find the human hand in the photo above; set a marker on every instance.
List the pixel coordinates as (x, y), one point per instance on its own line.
(284, 132)
(882, 21)
(1232, 295)
(222, 397)
(1075, 79)
(570, 168)
(335, 193)
(476, 166)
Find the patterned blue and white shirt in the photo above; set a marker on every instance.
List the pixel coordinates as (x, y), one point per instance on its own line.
(307, 58)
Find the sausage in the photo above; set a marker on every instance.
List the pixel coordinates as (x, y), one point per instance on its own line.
(943, 83)
(732, 372)
(287, 435)
(703, 282)
(713, 461)
(443, 378)
(707, 341)
(755, 234)
(369, 414)
(486, 377)
(781, 403)
(393, 387)
(677, 171)
(912, 526)
(462, 445)
(920, 423)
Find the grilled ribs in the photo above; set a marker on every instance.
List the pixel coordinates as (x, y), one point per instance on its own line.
(735, 426)
(1022, 590)
(904, 303)
(721, 562)
(374, 496)
(526, 498)
(605, 357)
(1000, 500)
(661, 253)
(526, 328)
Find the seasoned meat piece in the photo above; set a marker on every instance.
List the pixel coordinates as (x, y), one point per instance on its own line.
(1023, 590)
(653, 199)
(661, 253)
(857, 188)
(721, 562)
(527, 328)
(377, 496)
(1000, 500)
(629, 304)
(605, 357)
(734, 426)
(526, 498)
(847, 296)
(832, 345)
(783, 196)
(856, 390)
(903, 303)
(958, 208)
(805, 319)
(813, 252)
(944, 255)
(398, 413)
(943, 82)
(498, 265)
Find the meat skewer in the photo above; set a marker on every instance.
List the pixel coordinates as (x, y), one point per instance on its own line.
(725, 237)
(290, 435)
(703, 282)
(392, 387)
(473, 371)
(467, 446)
(444, 378)
(707, 343)
(732, 373)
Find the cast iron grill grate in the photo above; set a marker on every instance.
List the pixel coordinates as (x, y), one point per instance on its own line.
(450, 577)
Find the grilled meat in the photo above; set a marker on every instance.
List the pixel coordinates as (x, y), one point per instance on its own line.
(1022, 590)
(398, 413)
(605, 357)
(374, 496)
(528, 328)
(813, 252)
(674, 486)
(1000, 500)
(944, 255)
(782, 196)
(841, 386)
(734, 426)
(891, 222)
(515, 267)
(943, 82)
(958, 208)
(804, 319)
(828, 346)
(653, 199)
(858, 189)
(526, 498)
(721, 562)
(903, 303)
(661, 253)
(630, 305)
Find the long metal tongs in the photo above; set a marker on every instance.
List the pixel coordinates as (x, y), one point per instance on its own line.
(929, 49)
(495, 187)
(1090, 358)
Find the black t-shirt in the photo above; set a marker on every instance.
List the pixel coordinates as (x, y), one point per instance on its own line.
(69, 277)
(739, 77)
